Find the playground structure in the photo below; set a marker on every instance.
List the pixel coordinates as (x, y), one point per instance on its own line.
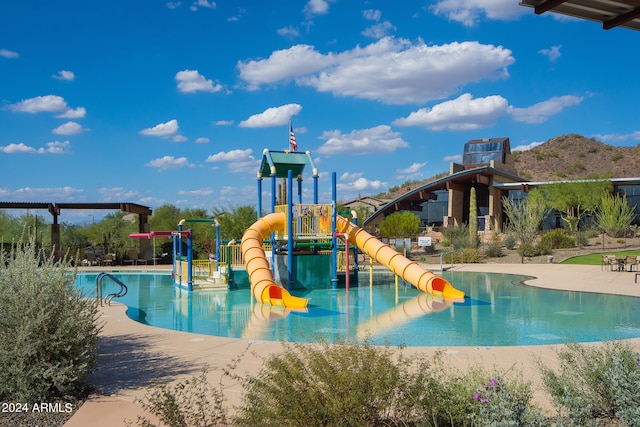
(297, 246)
(294, 233)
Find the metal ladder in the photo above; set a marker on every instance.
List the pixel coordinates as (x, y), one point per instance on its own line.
(121, 292)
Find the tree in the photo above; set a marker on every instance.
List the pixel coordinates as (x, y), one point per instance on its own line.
(614, 215)
(400, 224)
(525, 216)
(576, 199)
(234, 222)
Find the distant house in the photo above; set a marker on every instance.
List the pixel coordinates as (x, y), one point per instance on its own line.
(369, 203)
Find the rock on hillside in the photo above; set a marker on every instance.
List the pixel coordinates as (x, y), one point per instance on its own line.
(574, 157)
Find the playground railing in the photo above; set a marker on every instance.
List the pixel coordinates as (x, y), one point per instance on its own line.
(308, 220)
(202, 268)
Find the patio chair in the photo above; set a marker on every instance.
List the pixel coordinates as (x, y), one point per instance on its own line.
(108, 259)
(134, 259)
(632, 262)
(614, 264)
(605, 263)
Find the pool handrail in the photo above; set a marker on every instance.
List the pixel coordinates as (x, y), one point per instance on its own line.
(121, 292)
(451, 252)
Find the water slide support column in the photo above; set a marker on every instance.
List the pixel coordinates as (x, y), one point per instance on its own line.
(289, 229)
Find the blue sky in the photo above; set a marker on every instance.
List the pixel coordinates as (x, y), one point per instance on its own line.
(156, 102)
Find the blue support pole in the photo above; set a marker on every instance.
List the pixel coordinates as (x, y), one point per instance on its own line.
(259, 196)
(299, 189)
(315, 189)
(334, 245)
(174, 256)
(179, 256)
(290, 228)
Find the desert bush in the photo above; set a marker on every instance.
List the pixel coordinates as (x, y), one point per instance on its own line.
(194, 402)
(528, 250)
(615, 215)
(467, 255)
(493, 250)
(48, 331)
(362, 385)
(509, 241)
(557, 239)
(596, 383)
(455, 232)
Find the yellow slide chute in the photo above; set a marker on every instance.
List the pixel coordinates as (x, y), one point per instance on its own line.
(409, 270)
(260, 276)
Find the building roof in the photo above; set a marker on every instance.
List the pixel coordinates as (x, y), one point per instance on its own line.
(611, 13)
(413, 200)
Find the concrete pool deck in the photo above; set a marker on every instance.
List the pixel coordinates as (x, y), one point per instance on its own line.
(134, 356)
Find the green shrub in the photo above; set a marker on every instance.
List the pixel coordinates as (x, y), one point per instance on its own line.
(193, 402)
(493, 250)
(557, 239)
(467, 255)
(325, 385)
(362, 385)
(509, 241)
(596, 383)
(528, 250)
(48, 331)
(455, 232)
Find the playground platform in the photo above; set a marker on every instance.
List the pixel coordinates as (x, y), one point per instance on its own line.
(134, 356)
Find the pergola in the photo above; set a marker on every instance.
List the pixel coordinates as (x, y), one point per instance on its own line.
(611, 13)
(55, 209)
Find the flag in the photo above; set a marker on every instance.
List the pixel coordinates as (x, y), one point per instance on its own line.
(292, 139)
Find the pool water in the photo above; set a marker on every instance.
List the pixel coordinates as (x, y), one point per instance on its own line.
(496, 311)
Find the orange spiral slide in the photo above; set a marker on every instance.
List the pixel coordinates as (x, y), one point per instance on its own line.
(409, 270)
(260, 276)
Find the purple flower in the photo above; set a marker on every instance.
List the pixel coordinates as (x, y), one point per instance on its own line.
(638, 361)
(476, 396)
(493, 383)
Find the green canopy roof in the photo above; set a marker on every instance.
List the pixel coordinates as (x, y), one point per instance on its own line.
(279, 163)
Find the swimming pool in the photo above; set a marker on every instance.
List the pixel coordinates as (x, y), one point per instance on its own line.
(497, 311)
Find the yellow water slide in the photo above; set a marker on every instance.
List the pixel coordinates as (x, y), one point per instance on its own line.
(409, 270)
(263, 287)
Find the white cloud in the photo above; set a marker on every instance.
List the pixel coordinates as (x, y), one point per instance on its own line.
(414, 171)
(456, 158)
(179, 138)
(469, 12)
(379, 139)
(9, 54)
(117, 194)
(379, 30)
(274, 116)
(54, 147)
(72, 113)
(288, 32)
(527, 147)
(238, 161)
(372, 14)
(540, 112)
(191, 81)
(163, 129)
(316, 7)
(202, 140)
(200, 192)
(462, 113)
(552, 53)
(169, 162)
(47, 104)
(46, 193)
(64, 75)
(69, 128)
(617, 137)
(173, 4)
(391, 70)
(202, 3)
(223, 122)
(351, 189)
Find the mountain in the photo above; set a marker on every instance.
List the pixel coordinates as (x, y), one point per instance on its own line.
(565, 157)
(575, 157)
